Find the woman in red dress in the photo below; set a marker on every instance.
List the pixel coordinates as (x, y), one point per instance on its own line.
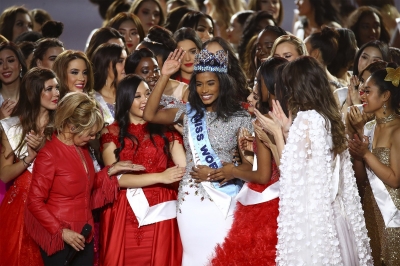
(131, 232)
(22, 135)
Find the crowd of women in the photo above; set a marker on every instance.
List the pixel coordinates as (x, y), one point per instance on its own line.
(202, 133)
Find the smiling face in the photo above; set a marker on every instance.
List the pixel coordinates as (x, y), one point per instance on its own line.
(369, 28)
(50, 94)
(49, 57)
(369, 55)
(149, 15)
(254, 97)
(129, 30)
(188, 60)
(371, 97)
(264, 44)
(139, 103)
(9, 67)
(286, 50)
(207, 87)
(204, 29)
(22, 24)
(77, 75)
(149, 70)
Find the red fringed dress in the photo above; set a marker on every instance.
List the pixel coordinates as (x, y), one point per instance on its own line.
(253, 237)
(63, 193)
(122, 242)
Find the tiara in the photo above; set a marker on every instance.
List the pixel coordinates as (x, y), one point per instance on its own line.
(393, 75)
(209, 62)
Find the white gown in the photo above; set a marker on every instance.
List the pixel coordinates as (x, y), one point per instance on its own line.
(320, 219)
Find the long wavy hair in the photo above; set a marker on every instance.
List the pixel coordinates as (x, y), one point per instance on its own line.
(18, 53)
(126, 91)
(7, 20)
(60, 67)
(28, 106)
(308, 87)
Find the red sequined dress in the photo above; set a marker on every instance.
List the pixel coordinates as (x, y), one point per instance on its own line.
(122, 242)
(252, 239)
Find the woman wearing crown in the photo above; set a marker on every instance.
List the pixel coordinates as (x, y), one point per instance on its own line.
(211, 121)
(376, 164)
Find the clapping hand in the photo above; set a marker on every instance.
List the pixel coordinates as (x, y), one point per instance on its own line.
(6, 108)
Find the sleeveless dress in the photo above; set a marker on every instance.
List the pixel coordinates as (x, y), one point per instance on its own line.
(122, 241)
(16, 245)
(385, 240)
(252, 239)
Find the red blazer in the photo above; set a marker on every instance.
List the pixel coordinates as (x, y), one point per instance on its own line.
(63, 194)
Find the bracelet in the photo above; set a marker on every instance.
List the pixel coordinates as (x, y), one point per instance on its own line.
(25, 163)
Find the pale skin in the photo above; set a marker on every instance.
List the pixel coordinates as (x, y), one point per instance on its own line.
(170, 175)
(386, 135)
(74, 239)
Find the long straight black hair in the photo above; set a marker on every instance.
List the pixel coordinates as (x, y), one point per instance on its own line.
(125, 96)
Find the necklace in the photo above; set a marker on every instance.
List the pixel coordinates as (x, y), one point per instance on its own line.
(386, 119)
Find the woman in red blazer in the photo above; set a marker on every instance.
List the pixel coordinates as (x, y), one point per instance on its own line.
(65, 187)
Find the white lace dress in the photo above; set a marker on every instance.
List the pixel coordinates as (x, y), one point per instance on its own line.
(320, 219)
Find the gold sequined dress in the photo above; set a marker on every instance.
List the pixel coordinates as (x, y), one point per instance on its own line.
(385, 241)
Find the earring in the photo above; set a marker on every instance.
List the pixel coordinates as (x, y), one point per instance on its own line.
(384, 108)
(72, 129)
(20, 73)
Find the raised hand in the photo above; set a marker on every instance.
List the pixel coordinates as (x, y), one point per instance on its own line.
(172, 175)
(358, 147)
(173, 62)
(357, 119)
(272, 125)
(34, 140)
(353, 95)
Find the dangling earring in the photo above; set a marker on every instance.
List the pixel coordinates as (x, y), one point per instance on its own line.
(384, 108)
(20, 73)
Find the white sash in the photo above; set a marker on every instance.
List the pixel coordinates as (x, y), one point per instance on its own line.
(108, 118)
(146, 214)
(223, 201)
(390, 213)
(247, 196)
(14, 134)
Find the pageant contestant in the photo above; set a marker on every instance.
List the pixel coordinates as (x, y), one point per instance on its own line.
(140, 227)
(320, 218)
(210, 125)
(22, 135)
(377, 165)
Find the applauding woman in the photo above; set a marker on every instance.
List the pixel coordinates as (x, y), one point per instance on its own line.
(376, 157)
(22, 135)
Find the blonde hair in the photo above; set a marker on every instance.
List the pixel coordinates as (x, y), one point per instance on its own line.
(298, 44)
(80, 111)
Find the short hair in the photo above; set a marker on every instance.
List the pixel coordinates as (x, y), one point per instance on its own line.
(60, 67)
(101, 36)
(80, 111)
(41, 48)
(7, 20)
